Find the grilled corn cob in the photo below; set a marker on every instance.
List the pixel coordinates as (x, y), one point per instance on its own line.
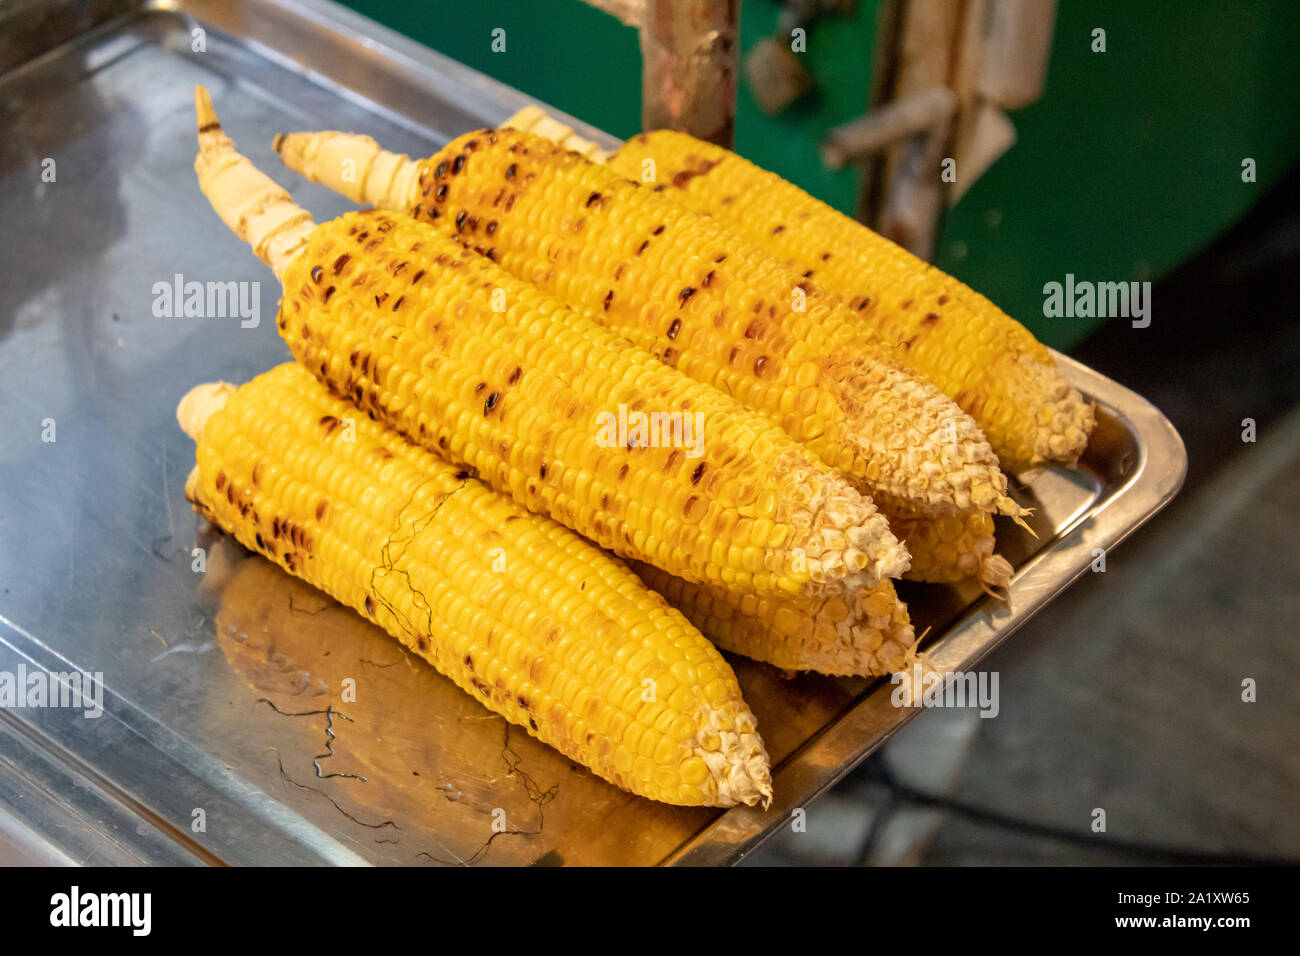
(991, 365)
(866, 635)
(678, 285)
(951, 548)
(477, 366)
(530, 619)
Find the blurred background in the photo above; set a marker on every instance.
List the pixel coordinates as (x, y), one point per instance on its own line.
(1114, 156)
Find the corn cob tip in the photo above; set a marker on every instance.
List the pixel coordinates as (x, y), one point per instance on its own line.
(249, 202)
(1063, 420)
(842, 540)
(201, 403)
(739, 766)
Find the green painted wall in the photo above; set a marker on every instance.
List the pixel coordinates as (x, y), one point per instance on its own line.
(1129, 163)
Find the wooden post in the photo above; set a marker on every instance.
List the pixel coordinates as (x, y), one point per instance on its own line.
(690, 53)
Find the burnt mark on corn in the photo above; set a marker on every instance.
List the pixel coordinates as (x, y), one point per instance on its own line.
(931, 318)
(685, 294)
(316, 273)
(720, 257)
(440, 195)
(342, 261)
(808, 274)
(491, 402)
(541, 472)
(461, 475)
(671, 462)
(760, 364)
(221, 480)
(511, 170)
(328, 292)
(440, 170)
(398, 304)
(682, 178)
(641, 248)
(826, 257)
(515, 375)
(674, 328)
(461, 218)
(658, 230)
(697, 474)
(943, 300)
(908, 304)
(492, 228)
(257, 473)
(370, 605)
(458, 163)
(777, 230)
(322, 508)
(708, 279)
(609, 297)
(592, 200)
(329, 423)
(623, 470)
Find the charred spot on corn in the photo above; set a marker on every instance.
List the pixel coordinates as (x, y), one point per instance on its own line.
(491, 402)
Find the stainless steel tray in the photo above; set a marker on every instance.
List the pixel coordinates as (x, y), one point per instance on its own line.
(222, 705)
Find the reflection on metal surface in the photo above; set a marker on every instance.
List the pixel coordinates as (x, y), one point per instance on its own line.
(227, 691)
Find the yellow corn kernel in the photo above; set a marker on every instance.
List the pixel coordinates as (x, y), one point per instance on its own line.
(414, 553)
(829, 636)
(701, 299)
(991, 365)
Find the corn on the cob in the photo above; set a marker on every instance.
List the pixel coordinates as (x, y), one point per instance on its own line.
(951, 548)
(990, 364)
(677, 284)
(477, 366)
(536, 623)
(867, 634)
